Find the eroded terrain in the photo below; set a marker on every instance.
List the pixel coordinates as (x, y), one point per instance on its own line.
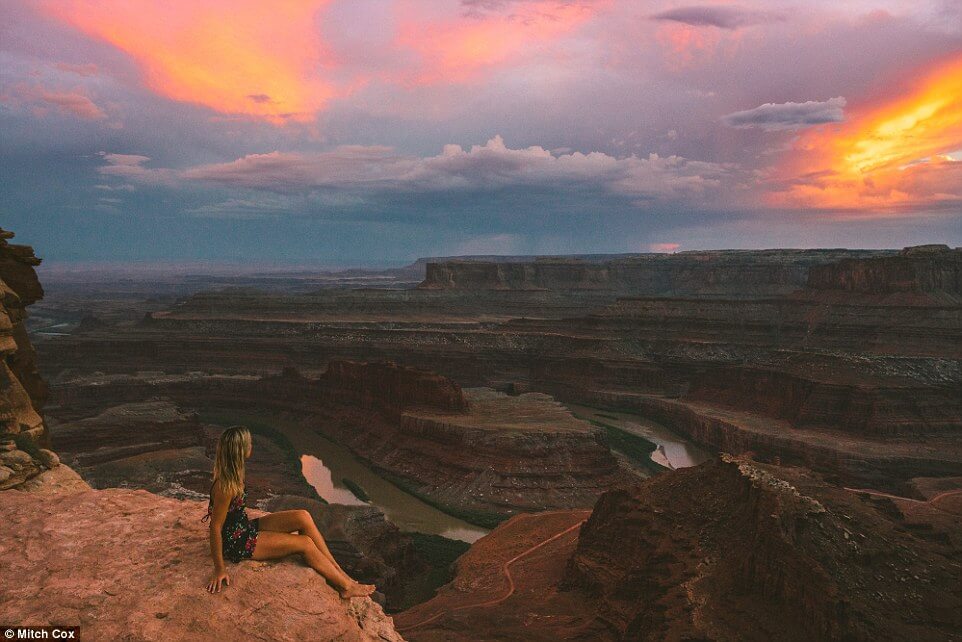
(530, 395)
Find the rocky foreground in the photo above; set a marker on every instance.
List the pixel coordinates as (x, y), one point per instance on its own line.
(124, 564)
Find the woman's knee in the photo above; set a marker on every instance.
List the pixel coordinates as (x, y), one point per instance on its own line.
(304, 544)
(304, 518)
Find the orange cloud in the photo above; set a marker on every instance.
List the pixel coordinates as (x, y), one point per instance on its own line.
(455, 49)
(242, 57)
(887, 156)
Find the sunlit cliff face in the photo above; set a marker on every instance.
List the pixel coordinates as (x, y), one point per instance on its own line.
(900, 153)
(266, 61)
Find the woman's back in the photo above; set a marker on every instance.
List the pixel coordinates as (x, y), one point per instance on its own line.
(239, 534)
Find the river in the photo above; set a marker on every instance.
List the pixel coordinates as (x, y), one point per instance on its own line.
(674, 451)
(326, 465)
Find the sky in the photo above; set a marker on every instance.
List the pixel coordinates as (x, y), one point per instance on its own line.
(373, 132)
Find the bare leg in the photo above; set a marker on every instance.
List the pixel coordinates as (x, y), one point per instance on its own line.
(286, 521)
(272, 545)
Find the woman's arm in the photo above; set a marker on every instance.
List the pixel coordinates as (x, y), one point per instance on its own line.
(217, 518)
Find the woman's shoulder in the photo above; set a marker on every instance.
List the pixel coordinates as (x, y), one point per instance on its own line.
(219, 494)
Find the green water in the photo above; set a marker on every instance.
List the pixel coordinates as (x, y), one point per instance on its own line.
(672, 450)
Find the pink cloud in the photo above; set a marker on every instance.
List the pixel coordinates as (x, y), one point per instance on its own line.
(86, 69)
(489, 34)
(42, 100)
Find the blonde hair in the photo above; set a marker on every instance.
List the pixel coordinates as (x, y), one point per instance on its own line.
(232, 448)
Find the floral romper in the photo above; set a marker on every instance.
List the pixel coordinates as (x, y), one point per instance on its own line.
(239, 534)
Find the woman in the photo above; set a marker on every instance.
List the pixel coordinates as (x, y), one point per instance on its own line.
(235, 537)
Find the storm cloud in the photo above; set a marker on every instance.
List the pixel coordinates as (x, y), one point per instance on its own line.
(481, 168)
(724, 17)
(788, 116)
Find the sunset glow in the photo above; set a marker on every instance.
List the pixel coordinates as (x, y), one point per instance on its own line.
(423, 127)
(455, 49)
(267, 61)
(891, 154)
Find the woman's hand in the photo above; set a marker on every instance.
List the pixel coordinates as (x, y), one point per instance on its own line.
(219, 576)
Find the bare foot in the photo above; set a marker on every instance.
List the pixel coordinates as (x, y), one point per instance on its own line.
(357, 590)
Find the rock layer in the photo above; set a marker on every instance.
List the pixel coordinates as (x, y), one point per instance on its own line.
(743, 273)
(390, 388)
(927, 268)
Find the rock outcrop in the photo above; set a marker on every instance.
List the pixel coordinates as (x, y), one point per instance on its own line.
(737, 550)
(161, 447)
(124, 564)
(23, 435)
(728, 550)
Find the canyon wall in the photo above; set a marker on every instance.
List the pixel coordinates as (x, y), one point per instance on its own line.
(745, 273)
(926, 268)
(390, 387)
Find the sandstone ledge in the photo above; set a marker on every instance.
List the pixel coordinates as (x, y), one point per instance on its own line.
(131, 565)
